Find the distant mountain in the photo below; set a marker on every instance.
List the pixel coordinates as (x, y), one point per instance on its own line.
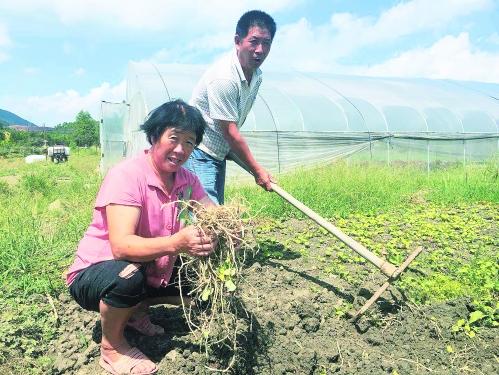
(13, 119)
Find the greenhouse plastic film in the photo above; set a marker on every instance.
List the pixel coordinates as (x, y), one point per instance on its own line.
(112, 134)
(307, 118)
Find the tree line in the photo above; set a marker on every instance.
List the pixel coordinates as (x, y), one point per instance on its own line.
(82, 132)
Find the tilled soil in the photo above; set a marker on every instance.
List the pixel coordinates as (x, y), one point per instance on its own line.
(297, 324)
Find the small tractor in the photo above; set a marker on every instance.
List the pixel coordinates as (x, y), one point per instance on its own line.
(58, 153)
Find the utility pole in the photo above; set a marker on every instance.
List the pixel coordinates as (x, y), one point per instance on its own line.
(45, 142)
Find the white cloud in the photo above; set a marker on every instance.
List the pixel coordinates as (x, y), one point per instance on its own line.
(149, 14)
(79, 72)
(194, 51)
(30, 70)
(309, 47)
(405, 18)
(4, 36)
(67, 48)
(63, 106)
(452, 57)
(302, 46)
(493, 38)
(4, 42)
(212, 41)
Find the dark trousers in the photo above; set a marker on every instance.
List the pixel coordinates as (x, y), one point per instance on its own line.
(110, 282)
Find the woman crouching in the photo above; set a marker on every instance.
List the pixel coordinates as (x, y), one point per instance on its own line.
(125, 261)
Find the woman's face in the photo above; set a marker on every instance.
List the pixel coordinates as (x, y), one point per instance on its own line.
(172, 150)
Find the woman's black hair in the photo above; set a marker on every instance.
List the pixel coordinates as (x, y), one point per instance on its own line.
(174, 114)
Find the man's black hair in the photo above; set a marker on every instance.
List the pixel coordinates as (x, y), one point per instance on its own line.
(255, 18)
(174, 114)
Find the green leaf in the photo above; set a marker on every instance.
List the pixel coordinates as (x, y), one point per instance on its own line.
(229, 272)
(188, 193)
(475, 316)
(221, 275)
(230, 285)
(184, 217)
(206, 294)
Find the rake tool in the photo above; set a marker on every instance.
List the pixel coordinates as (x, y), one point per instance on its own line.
(383, 265)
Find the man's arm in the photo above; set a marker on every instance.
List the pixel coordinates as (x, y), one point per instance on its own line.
(239, 146)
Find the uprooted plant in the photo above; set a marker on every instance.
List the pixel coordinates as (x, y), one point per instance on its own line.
(213, 314)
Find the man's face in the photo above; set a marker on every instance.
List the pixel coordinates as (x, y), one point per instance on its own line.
(253, 48)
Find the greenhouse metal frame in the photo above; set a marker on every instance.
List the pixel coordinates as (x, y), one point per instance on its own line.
(301, 119)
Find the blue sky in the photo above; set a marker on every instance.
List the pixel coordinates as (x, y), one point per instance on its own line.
(60, 56)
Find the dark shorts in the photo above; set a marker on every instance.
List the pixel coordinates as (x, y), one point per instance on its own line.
(118, 286)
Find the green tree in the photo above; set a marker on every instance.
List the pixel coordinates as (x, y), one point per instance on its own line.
(20, 137)
(85, 130)
(62, 134)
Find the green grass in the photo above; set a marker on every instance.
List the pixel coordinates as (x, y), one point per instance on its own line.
(460, 242)
(345, 188)
(45, 215)
(451, 212)
(45, 210)
(47, 207)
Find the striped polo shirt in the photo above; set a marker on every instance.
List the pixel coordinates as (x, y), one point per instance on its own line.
(223, 93)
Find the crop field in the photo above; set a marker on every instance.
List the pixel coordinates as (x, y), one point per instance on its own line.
(440, 317)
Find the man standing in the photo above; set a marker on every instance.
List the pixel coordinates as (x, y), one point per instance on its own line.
(225, 95)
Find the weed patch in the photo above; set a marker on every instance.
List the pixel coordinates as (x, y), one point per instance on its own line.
(452, 213)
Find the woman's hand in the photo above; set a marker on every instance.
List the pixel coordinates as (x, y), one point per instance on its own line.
(195, 242)
(125, 244)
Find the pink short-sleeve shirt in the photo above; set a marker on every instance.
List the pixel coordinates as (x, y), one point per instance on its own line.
(133, 182)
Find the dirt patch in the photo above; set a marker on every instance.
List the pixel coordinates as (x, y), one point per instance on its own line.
(419, 197)
(10, 180)
(297, 325)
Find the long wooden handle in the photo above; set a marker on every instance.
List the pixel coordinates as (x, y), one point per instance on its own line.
(386, 267)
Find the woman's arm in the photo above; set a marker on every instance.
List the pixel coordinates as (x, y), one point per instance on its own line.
(125, 244)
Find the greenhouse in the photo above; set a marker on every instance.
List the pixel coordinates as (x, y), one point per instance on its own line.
(302, 119)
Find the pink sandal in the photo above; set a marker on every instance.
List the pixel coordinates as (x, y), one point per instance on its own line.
(145, 326)
(127, 362)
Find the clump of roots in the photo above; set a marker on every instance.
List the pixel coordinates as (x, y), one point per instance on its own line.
(215, 312)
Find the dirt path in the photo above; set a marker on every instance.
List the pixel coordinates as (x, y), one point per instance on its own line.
(296, 325)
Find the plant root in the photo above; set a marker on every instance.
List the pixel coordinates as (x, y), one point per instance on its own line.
(215, 315)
